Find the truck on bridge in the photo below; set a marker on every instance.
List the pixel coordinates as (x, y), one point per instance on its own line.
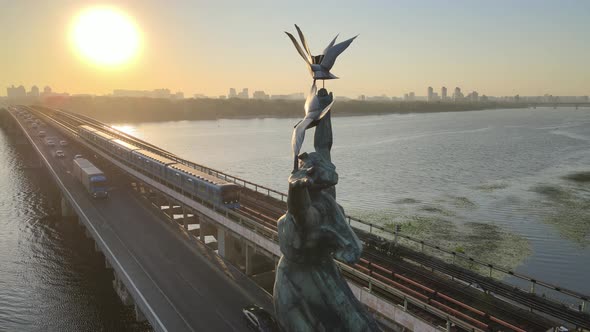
(92, 178)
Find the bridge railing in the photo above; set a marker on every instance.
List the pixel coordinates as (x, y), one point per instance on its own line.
(455, 257)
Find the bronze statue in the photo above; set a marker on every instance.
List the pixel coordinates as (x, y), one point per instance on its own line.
(310, 294)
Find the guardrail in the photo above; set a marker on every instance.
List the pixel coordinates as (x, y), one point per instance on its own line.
(458, 256)
(374, 285)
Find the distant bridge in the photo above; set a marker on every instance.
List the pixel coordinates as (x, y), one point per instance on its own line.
(187, 263)
(558, 104)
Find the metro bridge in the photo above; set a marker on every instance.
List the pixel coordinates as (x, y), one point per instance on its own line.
(187, 263)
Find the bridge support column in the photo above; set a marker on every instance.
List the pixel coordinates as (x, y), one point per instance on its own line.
(227, 245)
(66, 208)
(139, 316)
(249, 256)
(205, 228)
(122, 291)
(221, 242)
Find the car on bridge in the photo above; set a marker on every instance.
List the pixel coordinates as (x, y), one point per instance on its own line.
(59, 154)
(41, 133)
(259, 319)
(63, 143)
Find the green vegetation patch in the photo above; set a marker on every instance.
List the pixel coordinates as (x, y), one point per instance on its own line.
(482, 241)
(569, 211)
(407, 201)
(463, 202)
(492, 186)
(582, 177)
(437, 209)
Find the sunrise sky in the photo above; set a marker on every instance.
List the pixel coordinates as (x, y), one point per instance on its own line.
(494, 47)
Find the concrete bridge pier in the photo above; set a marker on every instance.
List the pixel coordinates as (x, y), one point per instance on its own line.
(228, 246)
(67, 211)
(205, 229)
(126, 298)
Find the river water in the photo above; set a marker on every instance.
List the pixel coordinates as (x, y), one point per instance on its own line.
(491, 183)
(51, 279)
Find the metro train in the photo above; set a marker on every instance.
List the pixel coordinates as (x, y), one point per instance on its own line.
(186, 180)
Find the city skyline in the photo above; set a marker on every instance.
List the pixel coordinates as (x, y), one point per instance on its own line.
(503, 48)
(458, 95)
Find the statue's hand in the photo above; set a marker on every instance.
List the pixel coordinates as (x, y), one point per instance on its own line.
(304, 182)
(301, 178)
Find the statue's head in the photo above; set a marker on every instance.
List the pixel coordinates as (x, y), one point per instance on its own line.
(321, 171)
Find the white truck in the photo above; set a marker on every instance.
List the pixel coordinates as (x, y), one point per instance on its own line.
(92, 178)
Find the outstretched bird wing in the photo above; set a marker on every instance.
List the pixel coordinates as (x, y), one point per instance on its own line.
(326, 109)
(333, 52)
(299, 48)
(330, 45)
(303, 42)
(299, 135)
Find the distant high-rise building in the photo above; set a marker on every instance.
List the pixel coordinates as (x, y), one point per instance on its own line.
(232, 93)
(362, 97)
(34, 91)
(47, 90)
(443, 92)
(16, 92)
(260, 95)
(430, 94)
(457, 95)
(412, 96)
(473, 96)
(178, 95)
(244, 94)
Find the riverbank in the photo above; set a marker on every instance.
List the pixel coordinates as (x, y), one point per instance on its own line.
(136, 110)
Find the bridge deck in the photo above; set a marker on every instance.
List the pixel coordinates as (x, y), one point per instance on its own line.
(182, 288)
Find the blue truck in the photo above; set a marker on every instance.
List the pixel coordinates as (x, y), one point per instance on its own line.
(92, 178)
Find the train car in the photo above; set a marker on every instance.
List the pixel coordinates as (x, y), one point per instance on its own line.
(182, 178)
(122, 149)
(151, 163)
(194, 183)
(86, 132)
(97, 137)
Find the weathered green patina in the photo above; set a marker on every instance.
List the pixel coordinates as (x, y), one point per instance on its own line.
(310, 293)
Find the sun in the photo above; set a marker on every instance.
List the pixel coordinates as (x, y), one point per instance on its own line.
(105, 36)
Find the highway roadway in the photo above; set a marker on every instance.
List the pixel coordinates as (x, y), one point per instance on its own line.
(188, 287)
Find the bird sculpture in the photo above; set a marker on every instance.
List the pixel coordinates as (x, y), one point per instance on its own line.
(314, 112)
(319, 65)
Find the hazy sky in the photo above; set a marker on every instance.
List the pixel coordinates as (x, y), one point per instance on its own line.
(494, 47)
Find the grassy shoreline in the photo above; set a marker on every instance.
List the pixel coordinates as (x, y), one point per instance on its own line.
(136, 110)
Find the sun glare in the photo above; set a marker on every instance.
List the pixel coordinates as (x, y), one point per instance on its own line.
(105, 36)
